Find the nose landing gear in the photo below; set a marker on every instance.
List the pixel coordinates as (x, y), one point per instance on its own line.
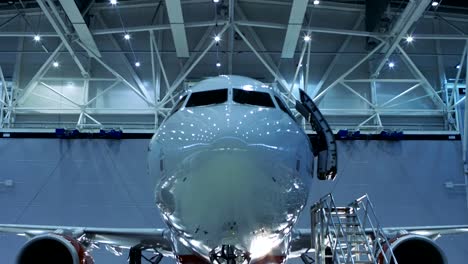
(135, 256)
(229, 254)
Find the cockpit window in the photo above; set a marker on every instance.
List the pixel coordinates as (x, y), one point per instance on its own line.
(179, 104)
(281, 105)
(252, 98)
(207, 98)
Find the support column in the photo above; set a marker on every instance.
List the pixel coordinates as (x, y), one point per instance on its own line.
(465, 134)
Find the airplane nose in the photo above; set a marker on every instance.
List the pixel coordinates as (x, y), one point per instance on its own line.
(236, 163)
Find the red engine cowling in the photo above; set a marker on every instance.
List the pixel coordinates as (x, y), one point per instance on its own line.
(53, 248)
(410, 249)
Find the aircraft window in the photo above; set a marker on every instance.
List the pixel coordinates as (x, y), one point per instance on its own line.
(281, 105)
(207, 98)
(179, 104)
(252, 98)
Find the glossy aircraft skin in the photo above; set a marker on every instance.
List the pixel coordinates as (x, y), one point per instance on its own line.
(231, 174)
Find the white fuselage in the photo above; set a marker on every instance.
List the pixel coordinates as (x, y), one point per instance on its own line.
(230, 173)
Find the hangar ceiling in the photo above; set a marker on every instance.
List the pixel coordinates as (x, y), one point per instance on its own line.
(68, 64)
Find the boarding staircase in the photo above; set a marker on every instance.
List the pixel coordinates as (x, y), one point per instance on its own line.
(348, 234)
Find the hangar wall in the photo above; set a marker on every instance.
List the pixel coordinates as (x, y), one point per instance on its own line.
(97, 182)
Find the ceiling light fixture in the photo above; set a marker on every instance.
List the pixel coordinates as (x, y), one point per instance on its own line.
(218, 64)
(217, 38)
(435, 3)
(316, 2)
(391, 65)
(127, 36)
(409, 39)
(55, 64)
(137, 64)
(215, 1)
(307, 38)
(113, 2)
(37, 38)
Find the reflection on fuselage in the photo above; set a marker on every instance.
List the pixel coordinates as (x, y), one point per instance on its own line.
(231, 174)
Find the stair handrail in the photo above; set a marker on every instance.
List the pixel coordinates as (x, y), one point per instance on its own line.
(377, 230)
(332, 205)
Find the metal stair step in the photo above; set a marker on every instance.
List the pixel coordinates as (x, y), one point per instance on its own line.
(361, 251)
(344, 260)
(343, 227)
(344, 215)
(347, 223)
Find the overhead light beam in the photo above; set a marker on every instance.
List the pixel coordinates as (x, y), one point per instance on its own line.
(176, 19)
(293, 31)
(79, 25)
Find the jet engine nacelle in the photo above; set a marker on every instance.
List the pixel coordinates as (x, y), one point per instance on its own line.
(409, 249)
(54, 248)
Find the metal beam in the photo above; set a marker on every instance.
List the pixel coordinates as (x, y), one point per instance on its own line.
(74, 15)
(336, 31)
(383, 80)
(457, 103)
(357, 94)
(65, 103)
(99, 32)
(116, 74)
(401, 94)
(187, 72)
(125, 61)
(158, 27)
(324, 30)
(160, 62)
(231, 36)
(153, 66)
(382, 112)
(415, 99)
(413, 11)
(298, 67)
(102, 93)
(335, 59)
(341, 78)
(457, 78)
(282, 82)
(176, 19)
(298, 10)
(3, 97)
(268, 59)
(34, 80)
(60, 94)
(198, 47)
(367, 120)
(92, 119)
(306, 79)
(426, 84)
(440, 37)
(62, 36)
(4, 86)
(18, 63)
(17, 34)
(465, 133)
(77, 79)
